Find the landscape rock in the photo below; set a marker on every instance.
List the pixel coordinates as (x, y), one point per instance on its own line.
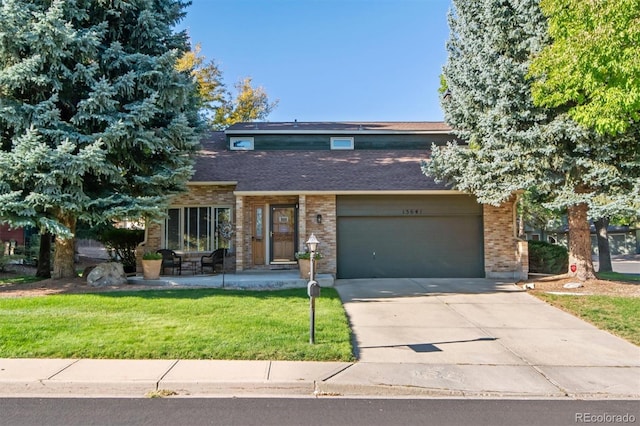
(572, 285)
(107, 274)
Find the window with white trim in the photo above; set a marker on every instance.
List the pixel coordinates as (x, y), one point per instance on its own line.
(241, 144)
(341, 143)
(196, 229)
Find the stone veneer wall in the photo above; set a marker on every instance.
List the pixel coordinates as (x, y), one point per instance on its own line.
(505, 255)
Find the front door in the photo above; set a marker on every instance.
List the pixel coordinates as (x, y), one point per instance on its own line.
(283, 233)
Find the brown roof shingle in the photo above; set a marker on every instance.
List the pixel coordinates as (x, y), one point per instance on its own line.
(316, 170)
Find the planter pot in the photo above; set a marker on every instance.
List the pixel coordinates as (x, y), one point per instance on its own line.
(151, 269)
(305, 268)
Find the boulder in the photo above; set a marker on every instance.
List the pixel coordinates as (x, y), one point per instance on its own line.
(107, 274)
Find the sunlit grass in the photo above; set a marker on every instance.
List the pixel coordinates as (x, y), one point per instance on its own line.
(185, 324)
(617, 276)
(618, 315)
(19, 279)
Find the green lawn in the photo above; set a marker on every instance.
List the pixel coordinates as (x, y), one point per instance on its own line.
(19, 279)
(616, 276)
(167, 324)
(618, 315)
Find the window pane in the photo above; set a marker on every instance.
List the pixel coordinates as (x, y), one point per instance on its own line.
(241, 143)
(197, 229)
(341, 143)
(204, 229)
(258, 232)
(172, 237)
(191, 229)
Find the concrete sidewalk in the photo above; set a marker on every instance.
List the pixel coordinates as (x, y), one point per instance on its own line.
(414, 337)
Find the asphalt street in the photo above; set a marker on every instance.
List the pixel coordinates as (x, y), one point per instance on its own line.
(313, 411)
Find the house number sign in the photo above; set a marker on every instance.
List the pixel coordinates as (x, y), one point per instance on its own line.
(411, 212)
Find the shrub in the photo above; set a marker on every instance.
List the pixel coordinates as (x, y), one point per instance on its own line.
(546, 258)
(4, 261)
(122, 244)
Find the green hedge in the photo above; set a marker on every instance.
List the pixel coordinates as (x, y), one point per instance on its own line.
(122, 244)
(546, 258)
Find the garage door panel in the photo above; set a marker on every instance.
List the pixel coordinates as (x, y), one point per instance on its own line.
(370, 247)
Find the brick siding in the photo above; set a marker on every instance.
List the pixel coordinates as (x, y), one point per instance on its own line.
(505, 255)
(324, 205)
(200, 195)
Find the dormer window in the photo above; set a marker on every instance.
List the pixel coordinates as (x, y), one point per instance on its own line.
(241, 144)
(341, 143)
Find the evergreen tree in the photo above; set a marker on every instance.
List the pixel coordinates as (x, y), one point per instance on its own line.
(96, 123)
(512, 144)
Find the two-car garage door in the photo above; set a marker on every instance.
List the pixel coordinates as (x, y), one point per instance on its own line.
(407, 236)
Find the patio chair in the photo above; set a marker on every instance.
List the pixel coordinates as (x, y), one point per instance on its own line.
(211, 260)
(171, 260)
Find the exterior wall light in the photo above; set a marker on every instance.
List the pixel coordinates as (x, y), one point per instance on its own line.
(319, 218)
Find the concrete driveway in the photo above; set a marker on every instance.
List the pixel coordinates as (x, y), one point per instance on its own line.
(478, 336)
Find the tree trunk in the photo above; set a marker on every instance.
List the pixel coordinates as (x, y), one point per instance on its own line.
(604, 253)
(521, 233)
(63, 255)
(44, 256)
(580, 261)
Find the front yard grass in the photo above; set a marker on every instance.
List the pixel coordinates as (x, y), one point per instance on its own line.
(617, 315)
(617, 276)
(175, 324)
(20, 279)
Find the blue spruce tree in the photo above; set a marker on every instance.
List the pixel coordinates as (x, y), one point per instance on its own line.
(510, 144)
(96, 123)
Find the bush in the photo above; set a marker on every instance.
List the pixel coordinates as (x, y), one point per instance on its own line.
(4, 261)
(122, 244)
(546, 258)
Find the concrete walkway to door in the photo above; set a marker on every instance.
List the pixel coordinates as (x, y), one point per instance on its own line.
(477, 337)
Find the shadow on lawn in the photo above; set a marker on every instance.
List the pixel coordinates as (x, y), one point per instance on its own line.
(211, 292)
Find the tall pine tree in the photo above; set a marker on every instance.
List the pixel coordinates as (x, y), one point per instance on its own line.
(96, 123)
(512, 144)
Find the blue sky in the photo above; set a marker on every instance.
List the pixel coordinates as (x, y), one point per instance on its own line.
(333, 60)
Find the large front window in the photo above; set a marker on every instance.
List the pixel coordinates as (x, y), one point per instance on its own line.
(196, 228)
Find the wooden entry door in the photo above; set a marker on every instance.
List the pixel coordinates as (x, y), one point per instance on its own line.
(257, 239)
(283, 233)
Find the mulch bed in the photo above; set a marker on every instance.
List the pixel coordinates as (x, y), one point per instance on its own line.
(556, 284)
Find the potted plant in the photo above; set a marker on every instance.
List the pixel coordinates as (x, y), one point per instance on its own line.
(304, 263)
(151, 265)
